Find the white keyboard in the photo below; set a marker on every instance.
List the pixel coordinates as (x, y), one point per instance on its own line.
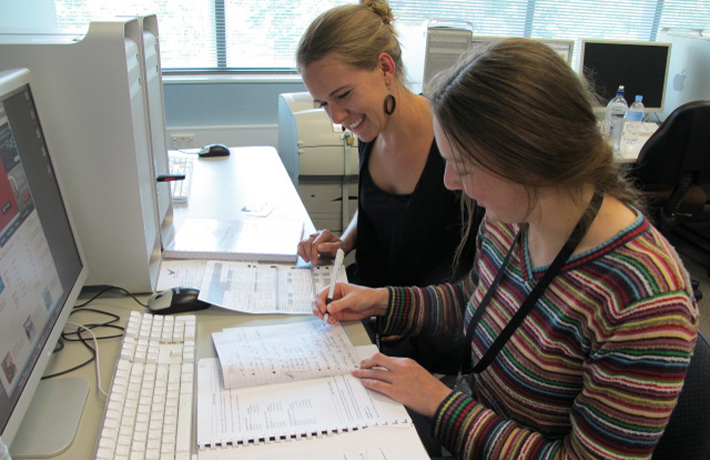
(181, 164)
(148, 412)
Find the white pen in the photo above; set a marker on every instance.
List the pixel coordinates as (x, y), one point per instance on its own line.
(333, 278)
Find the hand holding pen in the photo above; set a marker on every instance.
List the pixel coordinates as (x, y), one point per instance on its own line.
(351, 302)
(333, 279)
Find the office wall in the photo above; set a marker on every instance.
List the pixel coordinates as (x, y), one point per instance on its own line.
(236, 112)
(28, 14)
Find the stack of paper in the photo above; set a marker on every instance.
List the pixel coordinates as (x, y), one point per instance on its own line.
(288, 388)
(249, 239)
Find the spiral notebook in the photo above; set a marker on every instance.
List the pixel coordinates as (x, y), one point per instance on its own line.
(400, 442)
(308, 411)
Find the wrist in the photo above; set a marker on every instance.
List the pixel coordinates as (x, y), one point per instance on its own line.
(347, 243)
(383, 301)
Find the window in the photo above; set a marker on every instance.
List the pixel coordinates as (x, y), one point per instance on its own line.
(263, 34)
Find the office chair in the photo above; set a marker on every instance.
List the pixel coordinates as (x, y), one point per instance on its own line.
(672, 168)
(687, 435)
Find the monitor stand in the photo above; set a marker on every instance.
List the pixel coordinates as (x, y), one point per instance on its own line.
(52, 419)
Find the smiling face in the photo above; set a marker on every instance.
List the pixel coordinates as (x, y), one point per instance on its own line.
(350, 96)
(504, 200)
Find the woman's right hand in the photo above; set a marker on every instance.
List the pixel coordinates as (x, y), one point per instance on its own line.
(320, 243)
(351, 302)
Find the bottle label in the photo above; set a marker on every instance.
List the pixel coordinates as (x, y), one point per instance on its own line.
(633, 115)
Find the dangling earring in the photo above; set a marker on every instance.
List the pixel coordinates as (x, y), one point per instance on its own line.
(390, 104)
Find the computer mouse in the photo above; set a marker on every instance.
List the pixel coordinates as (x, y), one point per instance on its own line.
(213, 150)
(176, 300)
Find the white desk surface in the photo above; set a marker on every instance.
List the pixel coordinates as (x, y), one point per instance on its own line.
(630, 152)
(220, 188)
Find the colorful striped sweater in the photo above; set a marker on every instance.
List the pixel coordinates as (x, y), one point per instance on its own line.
(595, 369)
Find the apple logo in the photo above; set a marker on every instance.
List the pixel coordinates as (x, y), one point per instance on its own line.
(679, 81)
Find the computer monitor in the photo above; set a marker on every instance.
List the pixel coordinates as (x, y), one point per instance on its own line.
(42, 269)
(642, 67)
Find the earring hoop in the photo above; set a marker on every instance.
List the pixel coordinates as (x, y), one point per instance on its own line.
(390, 104)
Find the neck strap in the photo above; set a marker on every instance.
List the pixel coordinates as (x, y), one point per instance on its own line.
(572, 242)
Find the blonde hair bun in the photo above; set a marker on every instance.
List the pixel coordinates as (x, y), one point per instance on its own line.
(356, 33)
(380, 8)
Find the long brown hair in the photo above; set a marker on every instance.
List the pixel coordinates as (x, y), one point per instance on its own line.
(516, 108)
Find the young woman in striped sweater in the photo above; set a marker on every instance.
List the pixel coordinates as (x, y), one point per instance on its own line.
(595, 366)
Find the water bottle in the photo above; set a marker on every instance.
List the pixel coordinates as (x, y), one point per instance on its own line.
(634, 119)
(615, 113)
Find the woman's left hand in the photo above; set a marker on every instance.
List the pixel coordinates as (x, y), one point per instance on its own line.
(403, 380)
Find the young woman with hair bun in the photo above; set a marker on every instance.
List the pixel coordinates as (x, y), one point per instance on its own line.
(408, 225)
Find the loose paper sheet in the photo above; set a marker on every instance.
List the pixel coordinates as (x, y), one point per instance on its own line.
(264, 288)
(253, 356)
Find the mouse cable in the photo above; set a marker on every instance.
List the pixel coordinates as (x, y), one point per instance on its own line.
(69, 337)
(78, 366)
(94, 352)
(107, 289)
(94, 357)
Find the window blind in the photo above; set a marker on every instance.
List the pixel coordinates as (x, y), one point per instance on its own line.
(250, 35)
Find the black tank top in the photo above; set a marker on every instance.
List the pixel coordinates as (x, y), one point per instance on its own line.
(408, 240)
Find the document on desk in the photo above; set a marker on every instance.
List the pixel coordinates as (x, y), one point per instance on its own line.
(263, 287)
(263, 355)
(249, 239)
(305, 410)
(372, 443)
(180, 272)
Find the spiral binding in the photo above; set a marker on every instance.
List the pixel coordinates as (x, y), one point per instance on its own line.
(290, 438)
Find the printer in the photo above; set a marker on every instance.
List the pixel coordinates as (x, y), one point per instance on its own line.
(322, 160)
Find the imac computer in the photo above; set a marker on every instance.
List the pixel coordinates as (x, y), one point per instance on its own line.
(42, 272)
(642, 67)
(689, 68)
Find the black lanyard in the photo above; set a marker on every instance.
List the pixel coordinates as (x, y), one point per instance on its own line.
(572, 242)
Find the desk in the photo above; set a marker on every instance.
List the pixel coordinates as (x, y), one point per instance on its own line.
(221, 186)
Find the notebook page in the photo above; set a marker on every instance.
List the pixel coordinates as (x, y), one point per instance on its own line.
(252, 356)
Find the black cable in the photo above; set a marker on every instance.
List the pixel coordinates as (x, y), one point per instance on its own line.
(77, 335)
(105, 290)
(78, 366)
(109, 324)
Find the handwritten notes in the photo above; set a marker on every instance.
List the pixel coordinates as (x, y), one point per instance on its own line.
(252, 356)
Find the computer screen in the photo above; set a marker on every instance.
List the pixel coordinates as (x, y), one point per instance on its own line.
(41, 266)
(642, 68)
